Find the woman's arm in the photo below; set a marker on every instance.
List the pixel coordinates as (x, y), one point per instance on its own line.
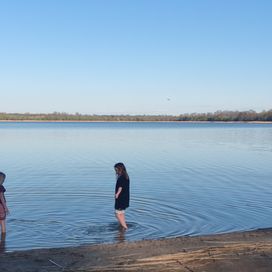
(118, 192)
(3, 201)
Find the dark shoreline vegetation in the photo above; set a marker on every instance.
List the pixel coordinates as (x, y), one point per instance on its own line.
(218, 116)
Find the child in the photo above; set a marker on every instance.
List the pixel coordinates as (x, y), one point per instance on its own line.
(121, 193)
(3, 206)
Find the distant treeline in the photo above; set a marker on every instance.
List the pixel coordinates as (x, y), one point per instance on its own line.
(218, 116)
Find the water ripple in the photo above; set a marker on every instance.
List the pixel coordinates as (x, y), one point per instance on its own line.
(185, 180)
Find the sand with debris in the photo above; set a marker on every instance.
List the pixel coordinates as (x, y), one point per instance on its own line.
(240, 251)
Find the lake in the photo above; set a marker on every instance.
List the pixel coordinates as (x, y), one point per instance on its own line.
(186, 179)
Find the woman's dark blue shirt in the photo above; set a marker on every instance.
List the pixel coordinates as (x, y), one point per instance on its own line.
(122, 202)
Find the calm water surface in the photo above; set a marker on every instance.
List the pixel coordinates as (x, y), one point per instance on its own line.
(186, 179)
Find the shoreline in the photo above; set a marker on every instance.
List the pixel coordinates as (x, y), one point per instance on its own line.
(238, 251)
(97, 121)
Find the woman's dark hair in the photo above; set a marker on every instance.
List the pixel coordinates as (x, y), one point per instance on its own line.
(2, 176)
(121, 167)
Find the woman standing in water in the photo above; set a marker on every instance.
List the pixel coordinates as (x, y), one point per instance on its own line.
(121, 193)
(3, 206)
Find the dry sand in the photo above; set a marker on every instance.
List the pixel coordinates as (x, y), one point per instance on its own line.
(241, 251)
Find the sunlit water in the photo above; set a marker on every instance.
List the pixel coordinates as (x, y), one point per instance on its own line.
(186, 179)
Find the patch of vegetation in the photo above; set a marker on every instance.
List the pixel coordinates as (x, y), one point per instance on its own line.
(218, 116)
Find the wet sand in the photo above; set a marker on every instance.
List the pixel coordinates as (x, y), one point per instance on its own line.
(240, 251)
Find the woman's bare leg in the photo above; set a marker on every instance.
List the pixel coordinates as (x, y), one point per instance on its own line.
(3, 226)
(121, 219)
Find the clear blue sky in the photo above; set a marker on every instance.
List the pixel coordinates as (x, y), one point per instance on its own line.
(135, 56)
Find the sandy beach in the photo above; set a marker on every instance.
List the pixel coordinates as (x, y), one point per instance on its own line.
(240, 251)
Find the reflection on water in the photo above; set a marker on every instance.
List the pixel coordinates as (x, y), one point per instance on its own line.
(121, 235)
(3, 243)
(186, 179)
